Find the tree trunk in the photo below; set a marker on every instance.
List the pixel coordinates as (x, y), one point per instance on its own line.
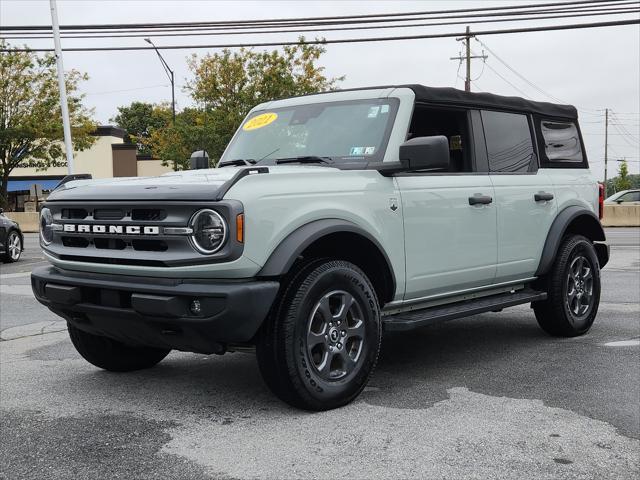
(4, 196)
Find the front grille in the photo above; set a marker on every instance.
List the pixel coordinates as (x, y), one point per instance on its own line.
(108, 214)
(110, 243)
(148, 214)
(149, 245)
(76, 242)
(113, 243)
(133, 233)
(74, 213)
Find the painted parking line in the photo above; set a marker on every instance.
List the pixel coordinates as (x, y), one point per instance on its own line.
(634, 342)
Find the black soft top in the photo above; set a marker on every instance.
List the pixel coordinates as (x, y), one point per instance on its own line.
(447, 95)
(453, 96)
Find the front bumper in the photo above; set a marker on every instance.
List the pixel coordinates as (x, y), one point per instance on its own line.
(156, 311)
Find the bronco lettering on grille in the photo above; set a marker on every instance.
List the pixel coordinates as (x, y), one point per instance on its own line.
(111, 229)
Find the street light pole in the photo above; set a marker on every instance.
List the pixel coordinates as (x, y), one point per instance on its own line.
(64, 106)
(169, 73)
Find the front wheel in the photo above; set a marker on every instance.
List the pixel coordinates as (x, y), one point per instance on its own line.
(13, 247)
(573, 289)
(112, 355)
(319, 346)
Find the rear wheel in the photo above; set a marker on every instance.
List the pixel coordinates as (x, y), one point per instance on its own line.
(112, 355)
(573, 288)
(320, 344)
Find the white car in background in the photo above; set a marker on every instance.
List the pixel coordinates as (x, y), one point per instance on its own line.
(624, 196)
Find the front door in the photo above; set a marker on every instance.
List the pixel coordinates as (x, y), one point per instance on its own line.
(450, 245)
(449, 217)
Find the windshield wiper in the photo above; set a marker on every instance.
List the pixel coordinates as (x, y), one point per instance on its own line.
(236, 163)
(304, 159)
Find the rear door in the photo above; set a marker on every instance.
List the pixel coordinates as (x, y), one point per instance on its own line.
(524, 195)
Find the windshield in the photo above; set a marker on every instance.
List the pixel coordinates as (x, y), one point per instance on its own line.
(335, 131)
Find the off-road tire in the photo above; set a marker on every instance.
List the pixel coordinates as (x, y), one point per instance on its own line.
(555, 315)
(112, 355)
(288, 366)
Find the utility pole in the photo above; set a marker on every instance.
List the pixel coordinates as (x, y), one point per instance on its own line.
(467, 41)
(606, 146)
(64, 106)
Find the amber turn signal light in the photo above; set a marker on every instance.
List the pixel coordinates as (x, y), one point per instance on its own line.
(240, 228)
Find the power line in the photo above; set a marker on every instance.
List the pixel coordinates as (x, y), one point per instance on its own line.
(521, 92)
(368, 18)
(342, 40)
(239, 30)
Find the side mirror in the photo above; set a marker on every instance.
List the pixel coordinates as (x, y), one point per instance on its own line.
(199, 160)
(425, 153)
(619, 201)
(1, 211)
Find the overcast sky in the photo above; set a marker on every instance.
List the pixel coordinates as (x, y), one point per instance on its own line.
(592, 69)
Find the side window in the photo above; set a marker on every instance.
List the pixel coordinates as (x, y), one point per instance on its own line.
(561, 142)
(453, 124)
(509, 144)
(630, 197)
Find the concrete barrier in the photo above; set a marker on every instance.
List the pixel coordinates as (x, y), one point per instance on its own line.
(28, 220)
(621, 215)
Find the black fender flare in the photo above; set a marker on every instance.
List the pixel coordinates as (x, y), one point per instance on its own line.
(289, 249)
(559, 228)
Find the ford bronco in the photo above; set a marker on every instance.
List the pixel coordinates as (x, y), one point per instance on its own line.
(329, 219)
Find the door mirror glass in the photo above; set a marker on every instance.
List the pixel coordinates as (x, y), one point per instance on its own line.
(425, 153)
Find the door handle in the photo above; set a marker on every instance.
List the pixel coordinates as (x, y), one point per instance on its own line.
(480, 200)
(543, 197)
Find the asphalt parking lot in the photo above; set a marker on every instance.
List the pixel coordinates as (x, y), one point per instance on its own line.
(489, 396)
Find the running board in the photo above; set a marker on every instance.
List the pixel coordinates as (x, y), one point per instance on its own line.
(442, 313)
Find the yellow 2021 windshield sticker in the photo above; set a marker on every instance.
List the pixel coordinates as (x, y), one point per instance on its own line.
(260, 121)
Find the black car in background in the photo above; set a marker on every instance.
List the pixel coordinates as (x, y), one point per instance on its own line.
(11, 239)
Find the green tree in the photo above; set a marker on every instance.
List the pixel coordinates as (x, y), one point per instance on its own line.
(30, 116)
(226, 85)
(622, 180)
(139, 119)
(175, 143)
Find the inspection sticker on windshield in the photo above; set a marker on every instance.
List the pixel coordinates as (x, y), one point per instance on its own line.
(362, 151)
(260, 121)
(373, 112)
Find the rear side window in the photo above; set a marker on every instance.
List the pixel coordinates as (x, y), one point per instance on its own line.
(629, 197)
(561, 142)
(509, 144)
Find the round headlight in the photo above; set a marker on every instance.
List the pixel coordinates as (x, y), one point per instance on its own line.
(46, 226)
(209, 231)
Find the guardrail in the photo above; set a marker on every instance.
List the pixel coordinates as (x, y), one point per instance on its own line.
(614, 216)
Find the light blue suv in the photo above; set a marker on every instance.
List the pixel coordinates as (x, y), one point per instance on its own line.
(331, 218)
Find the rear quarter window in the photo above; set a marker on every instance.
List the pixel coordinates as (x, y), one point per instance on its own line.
(560, 144)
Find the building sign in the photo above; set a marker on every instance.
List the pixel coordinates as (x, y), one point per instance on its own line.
(40, 165)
